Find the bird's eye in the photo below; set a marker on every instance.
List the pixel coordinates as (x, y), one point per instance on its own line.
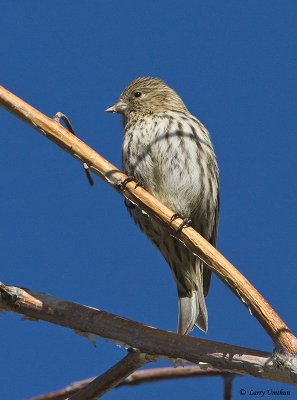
(137, 94)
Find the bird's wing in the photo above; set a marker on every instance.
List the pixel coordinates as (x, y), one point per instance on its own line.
(212, 240)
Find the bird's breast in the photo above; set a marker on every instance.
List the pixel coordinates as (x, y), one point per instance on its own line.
(169, 155)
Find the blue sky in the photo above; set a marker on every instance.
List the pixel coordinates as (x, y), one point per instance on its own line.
(234, 64)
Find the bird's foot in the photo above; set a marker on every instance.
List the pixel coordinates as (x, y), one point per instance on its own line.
(58, 117)
(121, 185)
(186, 221)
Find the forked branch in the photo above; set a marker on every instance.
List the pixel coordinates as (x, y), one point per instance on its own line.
(147, 340)
(140, 377)
(111, 378)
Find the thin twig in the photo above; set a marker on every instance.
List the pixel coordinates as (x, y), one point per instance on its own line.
(283, 338)
(111, 378)
(228, 381)
(62, 117)
(90, 321)
(140, 377)
(165, 373)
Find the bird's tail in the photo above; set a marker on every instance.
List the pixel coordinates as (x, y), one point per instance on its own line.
(192, 311)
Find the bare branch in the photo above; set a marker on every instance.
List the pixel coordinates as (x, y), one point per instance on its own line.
(158, 374)
(112, 378)
(228, 380)
(148, 340)
(241, 287)
(140, 377)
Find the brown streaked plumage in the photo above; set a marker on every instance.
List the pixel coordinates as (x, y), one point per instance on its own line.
(169, 152)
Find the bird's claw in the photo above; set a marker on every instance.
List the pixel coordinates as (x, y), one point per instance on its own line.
(186, 221)
(121, 185)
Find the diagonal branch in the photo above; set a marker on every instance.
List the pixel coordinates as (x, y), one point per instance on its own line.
(113, 377)
(148, 340)
(240, 286)
(140, 377)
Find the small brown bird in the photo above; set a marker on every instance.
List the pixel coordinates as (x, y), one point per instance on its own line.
(169, 152)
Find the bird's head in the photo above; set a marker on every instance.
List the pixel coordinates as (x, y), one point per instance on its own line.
(147, 96)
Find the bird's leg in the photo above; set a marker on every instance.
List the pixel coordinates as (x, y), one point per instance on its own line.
(186, 221)
(121, 185)
(62, 117)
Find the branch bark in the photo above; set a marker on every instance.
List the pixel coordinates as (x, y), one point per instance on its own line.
(140, 377)
(111, 378)
(283, 338)
(155, 342)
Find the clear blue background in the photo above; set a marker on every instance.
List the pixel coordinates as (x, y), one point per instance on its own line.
(234, 64)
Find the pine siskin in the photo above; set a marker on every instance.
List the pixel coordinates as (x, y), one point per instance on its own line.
(169, 152)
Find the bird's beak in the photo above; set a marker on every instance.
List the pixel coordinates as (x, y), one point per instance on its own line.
(119, 107)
